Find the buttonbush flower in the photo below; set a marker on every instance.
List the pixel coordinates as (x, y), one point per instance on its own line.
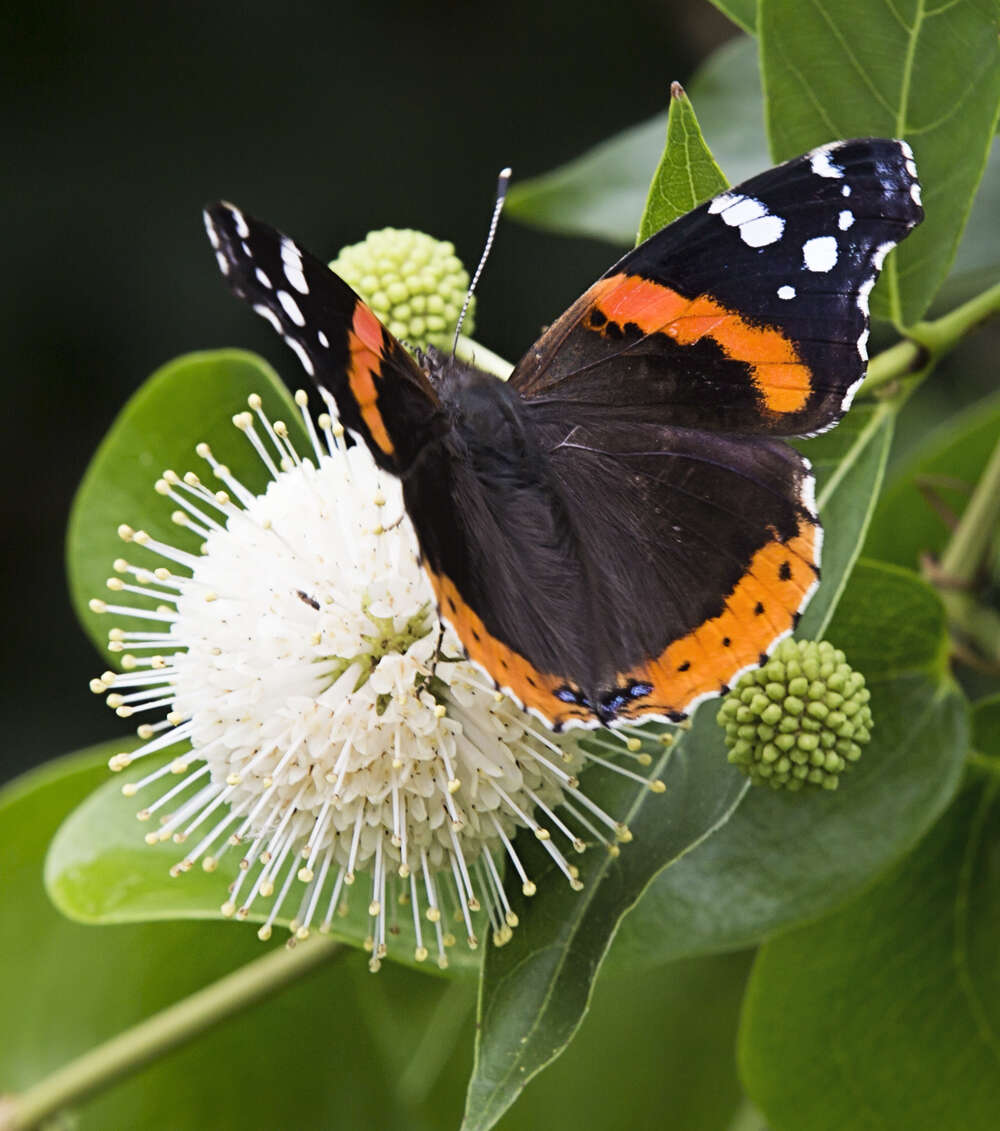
(800, 720)
(330, 727)
(414, 283)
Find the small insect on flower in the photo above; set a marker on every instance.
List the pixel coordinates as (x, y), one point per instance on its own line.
(330, 726)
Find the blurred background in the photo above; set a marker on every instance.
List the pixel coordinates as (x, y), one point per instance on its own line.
(326, 119)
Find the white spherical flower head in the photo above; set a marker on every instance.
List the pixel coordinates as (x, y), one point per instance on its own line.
(332, 727)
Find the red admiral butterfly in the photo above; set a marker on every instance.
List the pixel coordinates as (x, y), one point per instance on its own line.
(618, 530)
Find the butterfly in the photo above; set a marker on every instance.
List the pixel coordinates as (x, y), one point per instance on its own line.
(619, 530)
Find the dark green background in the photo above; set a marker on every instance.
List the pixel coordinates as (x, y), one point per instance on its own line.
(328, 119)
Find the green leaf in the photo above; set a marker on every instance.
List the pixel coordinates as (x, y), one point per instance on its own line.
(783, 859)
(898, 68)
(888, 1013)
(743, 13)
(849, 465)
(189, 400)
(536, 989)
(687, 174)
(65, 987)
(100, 870)
(602, 193)
(986, 727)
(943, 468)
(977, 262)
(671, 1030)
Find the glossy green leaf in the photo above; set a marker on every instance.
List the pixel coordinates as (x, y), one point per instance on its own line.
(338, 1049)
(743, 13)
(977, 262)
(785, 858)
(671, 1032)
(100, 870)
(887, 1014)
(849, 465)
(535, 990)
(602, 193)
(185, 402)
(687, 173)
(927, 72)
(936, 480)
(986, 727)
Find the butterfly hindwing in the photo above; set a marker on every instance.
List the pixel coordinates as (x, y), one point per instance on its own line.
(670, 560)
(380, 391)
(750, 313)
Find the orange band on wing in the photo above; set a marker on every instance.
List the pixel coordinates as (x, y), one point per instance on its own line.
(508, 668)
(364, 341)
(763, 605)
(777, 369)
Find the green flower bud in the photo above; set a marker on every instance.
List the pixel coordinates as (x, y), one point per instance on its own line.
(414, 283)
(800, 720)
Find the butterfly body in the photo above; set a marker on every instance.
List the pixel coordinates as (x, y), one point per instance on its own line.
(619, 530)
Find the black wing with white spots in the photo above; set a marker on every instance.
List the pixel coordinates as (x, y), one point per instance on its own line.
(380, 392)
(747, 315)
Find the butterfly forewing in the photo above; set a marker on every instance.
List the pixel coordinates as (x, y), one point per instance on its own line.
(750, 313)
(380, 391)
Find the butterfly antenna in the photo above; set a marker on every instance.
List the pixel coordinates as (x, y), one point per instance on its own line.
(503, 181)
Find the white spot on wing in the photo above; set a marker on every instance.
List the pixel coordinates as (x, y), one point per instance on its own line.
(915, 193)
(721, 202)
(821, 165)
(845, 220)
(846, 190)
(213, 235)
(757, 226)
(911, 168)
(324, 341)
(291, 308)
(786, 292)
(262, 278)
(863, 292)
(242, 230)
(307, 364)
(863, 344)
(223, 262)
(743, 210)
(881, 252)
(268, 313)
(762, 231)
(820, 253)
(291, 260)
(905, 148)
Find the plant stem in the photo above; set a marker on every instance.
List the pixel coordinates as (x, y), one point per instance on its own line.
(963, 558)
(928, 342)
(157, 1035)
(973, 536)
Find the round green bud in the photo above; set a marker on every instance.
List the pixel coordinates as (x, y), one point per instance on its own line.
(800, 720)
(414, 283)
